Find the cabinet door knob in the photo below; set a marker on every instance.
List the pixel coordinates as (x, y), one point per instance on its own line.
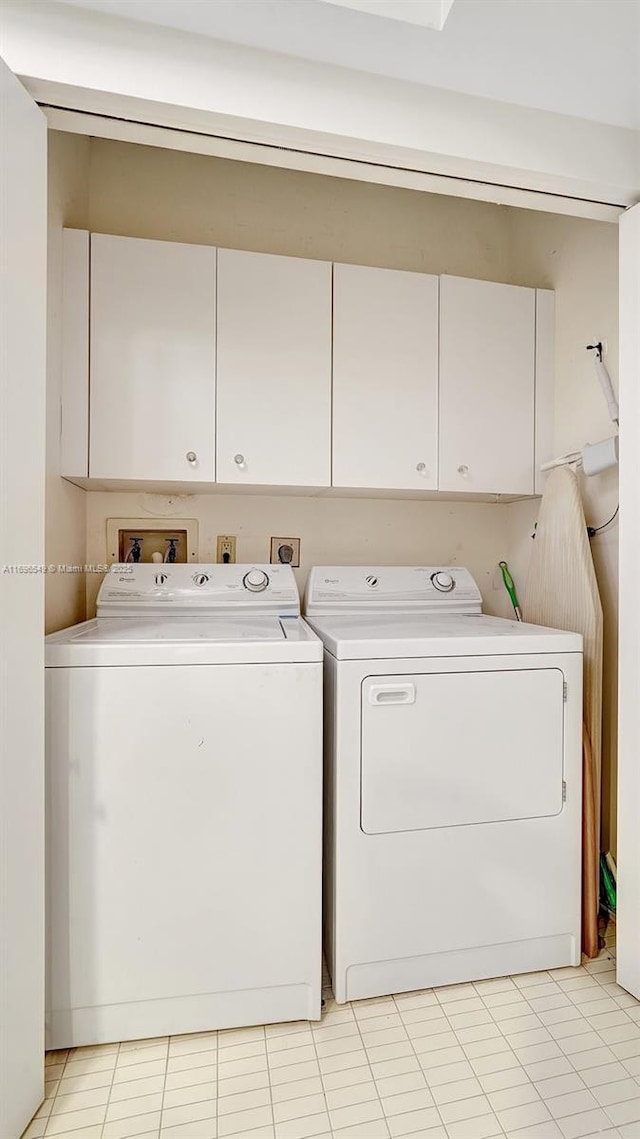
(463, 469)
(191, 457)
(239, 460)
(421, 468)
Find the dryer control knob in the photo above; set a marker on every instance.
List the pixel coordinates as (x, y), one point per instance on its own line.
(443, 581)
(255, 580)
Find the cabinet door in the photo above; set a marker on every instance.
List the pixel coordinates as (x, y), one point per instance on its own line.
(385, 378)
(274, 370)
(487, 376)
(152, 360)
(23, 398)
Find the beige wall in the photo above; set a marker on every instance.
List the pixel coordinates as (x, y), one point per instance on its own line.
(336, 531)
(149, 192)
(579, 259)
(65, 504)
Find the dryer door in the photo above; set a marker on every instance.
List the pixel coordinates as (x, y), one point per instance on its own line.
(445, 749)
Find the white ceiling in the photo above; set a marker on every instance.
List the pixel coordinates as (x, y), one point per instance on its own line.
(577, 57)
(426, 13)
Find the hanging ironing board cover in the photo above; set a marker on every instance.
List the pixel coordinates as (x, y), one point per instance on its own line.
(562, 592)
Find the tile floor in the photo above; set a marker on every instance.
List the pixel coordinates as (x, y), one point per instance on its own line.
(543, 1056)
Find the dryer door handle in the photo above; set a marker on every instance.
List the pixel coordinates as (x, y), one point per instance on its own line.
(392, 694)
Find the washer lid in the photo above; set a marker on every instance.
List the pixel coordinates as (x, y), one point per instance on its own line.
(385, 636)
(250, 638)
(178, 630)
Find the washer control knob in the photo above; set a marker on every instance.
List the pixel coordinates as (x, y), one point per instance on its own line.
(255, 580)
(201, 578)
(191, 457)
(160, 578)
(443, 581)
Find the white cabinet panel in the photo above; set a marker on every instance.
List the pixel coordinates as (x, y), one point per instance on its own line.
(152, 360)
(274, 370)
(385, 378)
(487, 377)
(74, 428)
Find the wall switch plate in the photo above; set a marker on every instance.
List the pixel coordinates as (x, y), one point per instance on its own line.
(285, 551)
(226, 548)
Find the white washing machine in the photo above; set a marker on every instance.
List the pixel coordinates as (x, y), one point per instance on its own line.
(453, 783)
(184, 758)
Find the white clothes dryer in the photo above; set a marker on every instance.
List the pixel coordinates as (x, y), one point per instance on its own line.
(453, 783)
(184, 767)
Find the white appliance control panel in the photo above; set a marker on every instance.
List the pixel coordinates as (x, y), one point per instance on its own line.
(392, 589)
(133, 589)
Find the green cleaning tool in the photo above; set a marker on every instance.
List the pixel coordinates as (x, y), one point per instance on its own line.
(608, 884)
(510, 587)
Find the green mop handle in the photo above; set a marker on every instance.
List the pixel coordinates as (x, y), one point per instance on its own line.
(510, 587)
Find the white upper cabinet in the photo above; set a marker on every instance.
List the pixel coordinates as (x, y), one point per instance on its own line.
(152, 368)
(487, 387)
(183, 364)
(274, 370)
(385, 378)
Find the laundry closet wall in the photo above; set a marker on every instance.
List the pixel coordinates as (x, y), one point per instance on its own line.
(65, 504)
(141, 191)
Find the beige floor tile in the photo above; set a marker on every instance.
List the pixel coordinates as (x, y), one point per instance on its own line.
(132, 1126)
(243, 1101)
(291, 1072)
(193, 1076)
(376, 1130)
(241, 1122)
(356, 1113)
(198, 1129)
(571, 1103)
(280, 1093)
(481, 1127)
(73, 1120)
(133, 1089)
(198, 1093)
(584, 1123)
(127, 1108)
(188, 1113)
(346, 1077)
(300, 1108)
(306, 1128)
(413, 1122)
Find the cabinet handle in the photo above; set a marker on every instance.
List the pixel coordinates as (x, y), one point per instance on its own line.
(463, 470)
(239, 460)
(191, 457)
(421, 468)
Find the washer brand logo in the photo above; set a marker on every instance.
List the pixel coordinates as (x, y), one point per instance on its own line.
(330, 581)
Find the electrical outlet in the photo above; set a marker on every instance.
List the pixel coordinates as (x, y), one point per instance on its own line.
(285, 551)
(226, 548)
